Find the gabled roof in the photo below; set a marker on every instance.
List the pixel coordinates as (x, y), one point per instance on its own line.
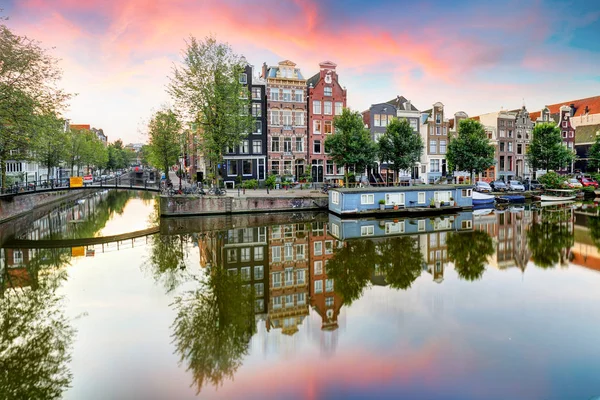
(586, 133)
(79, 127)
(593, 104)
(313, 80)
(399, 101)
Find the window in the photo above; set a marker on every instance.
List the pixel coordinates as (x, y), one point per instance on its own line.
(276, 253)
(394, 227)
(288, 252)
(329, 247)
(259, 271)
(244, 147)
(442, 147)
(368, 230)
(328, 127)
(259, 289)
(256, 147)
(466, 193)
(275, 94)
(437, 130)
(231, 255)
(287, 145)
(329, 301)
(276, 279)
(277, 302)
(367, 199)
(394, 198)
(257, 127)
(327, 91)
(247, 167)
(434, 165)
(327, 107)
(299, 144)
(466, 224)
(414, 124)
(329, 169)
(519, 148)
(301, 298)
(318, 248)
(299, 118)
(421, 198)
(564, 124)
(510, 146)
(289, 277)
(287, 168)
(298, 96)
(256, 93)
(275, 117)
(329, 285)
(338, 107)
(245, 254)
(564, 133)
(243, 79)
(502, 133)
(318, 267)
(335, 196)
(335, 230)
(317, 147)
(287, 94)
(376, 120)
(501, 146)
(421, 225)
(317, 126)
(501, 163)
(256, 110)
(433, 146)
(275, 144)
(319, 286)
(246, 273)
(275, 167)
(316, 107)
(287, 117)
(232, 167)
(300, 252)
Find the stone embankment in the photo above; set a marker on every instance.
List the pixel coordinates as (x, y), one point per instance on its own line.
(16, 206)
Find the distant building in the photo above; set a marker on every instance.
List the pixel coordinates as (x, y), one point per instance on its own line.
(435, 130)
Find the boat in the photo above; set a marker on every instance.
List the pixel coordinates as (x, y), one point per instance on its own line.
(558, 195)
(481, 198)
(597, 192)
(511, 198)
(478, 212)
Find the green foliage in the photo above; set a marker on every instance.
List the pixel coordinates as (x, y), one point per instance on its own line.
(546, 150)
(593, 155)
(471, 149)
(83, 148)
(401, 259)
(552, 180)
(469, 252)
(207, 87)
(351, 145)
(250, 184)
(49, 143)
(164, 130)
(118, 156)
(400, 145)
(382, 201)
(270, 181)
(549, 238)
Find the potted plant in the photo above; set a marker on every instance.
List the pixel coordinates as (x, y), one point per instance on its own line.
(382, 204)
(395, 206)
(431, 203)
(437, 203)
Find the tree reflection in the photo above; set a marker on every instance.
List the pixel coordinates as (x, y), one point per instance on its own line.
(35, 338)
(167, 260)
(549, 238)
(593, 224)
(213, 327)
(351, 267)
(469, 251)
(401, 259)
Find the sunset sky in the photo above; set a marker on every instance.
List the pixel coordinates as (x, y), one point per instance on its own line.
(472, 55)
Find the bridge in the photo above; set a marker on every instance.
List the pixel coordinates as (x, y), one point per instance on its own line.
(84, 242)
(117, 184)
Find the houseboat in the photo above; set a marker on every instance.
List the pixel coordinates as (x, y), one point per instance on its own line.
(401, 200)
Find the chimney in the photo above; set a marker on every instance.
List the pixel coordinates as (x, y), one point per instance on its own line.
(264, 71)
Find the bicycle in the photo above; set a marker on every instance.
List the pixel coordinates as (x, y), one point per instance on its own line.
(217, 191)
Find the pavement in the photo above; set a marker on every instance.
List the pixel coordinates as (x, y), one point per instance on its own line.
(275, 193)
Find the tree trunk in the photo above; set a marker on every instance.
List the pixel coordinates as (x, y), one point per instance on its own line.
(3, 172)
(346, 175)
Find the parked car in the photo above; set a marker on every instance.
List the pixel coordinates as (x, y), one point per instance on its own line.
(516, 186)
(483, 187)
(535, 185)
(586, 182)
(573, 183)
(499, 186)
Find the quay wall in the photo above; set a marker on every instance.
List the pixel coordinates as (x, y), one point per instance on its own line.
(15, 206)
(210, 205)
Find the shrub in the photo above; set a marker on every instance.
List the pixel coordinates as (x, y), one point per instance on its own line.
(382, 201)
(552, 180)
(270, 181)
(250, 184)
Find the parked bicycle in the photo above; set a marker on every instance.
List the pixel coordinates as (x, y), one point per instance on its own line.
(217, 191)
(325, 188)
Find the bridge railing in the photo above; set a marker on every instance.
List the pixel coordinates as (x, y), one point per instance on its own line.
(64, 183)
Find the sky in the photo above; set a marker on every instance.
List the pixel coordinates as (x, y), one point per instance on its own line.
(476, 56)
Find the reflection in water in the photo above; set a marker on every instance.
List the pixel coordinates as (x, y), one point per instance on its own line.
(167, 260)
(469, 252)
(213, 326)
(551, 237)
(402, 261)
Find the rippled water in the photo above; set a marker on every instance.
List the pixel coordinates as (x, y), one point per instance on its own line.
(497, 304)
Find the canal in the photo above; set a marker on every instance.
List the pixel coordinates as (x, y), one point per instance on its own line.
(495, 304)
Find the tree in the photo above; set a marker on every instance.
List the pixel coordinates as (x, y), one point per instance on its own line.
(593, 155)
(118, 156)
(402, 261)
(28, 87)
(164, 130)
(550, 237)
(351, 145)
(471, 149)
(208, 88)
(469, 251)
(49, 143)
(546, 150)
(75, 147)
(400, 145)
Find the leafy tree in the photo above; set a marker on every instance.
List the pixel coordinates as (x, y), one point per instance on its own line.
(401, 258)
(552, 180)
(213, 327)
(400, 145)
(546, 150)
(351, 145)
(75, 146)
(469, 251)
(28, 87)
(167, 260)
(549, 238)
(471, 149)
(49, 143)
(593, 155)
(164, 130)
(145, 155)
(207, 87)
(118, 156)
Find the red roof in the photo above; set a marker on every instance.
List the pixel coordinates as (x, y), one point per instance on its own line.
(475, 118)
(79, 127)
(593, 104)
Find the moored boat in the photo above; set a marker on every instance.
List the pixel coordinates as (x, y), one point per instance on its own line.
(511, 198)
(482, 198)
(558, 195)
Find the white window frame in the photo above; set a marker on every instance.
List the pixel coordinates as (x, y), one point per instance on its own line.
(367, 230)
(392, 228)
(421, 197)
(394, 199)
(421, 227)
(317, 127)
(335, 197)
(319, 286)
(328, 285)
(274, 94)
(318, 250)
(317, 107)
(367, 199)
(466, 192)
(327, 108)
(339, 107)
(318, 267)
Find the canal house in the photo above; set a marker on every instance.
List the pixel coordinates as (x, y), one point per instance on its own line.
(409, 199)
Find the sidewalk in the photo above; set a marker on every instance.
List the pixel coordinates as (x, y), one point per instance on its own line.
(276, 193)
(175, 180)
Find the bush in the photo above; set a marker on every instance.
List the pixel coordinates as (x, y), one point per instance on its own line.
(270, 181)
(552, 180)
(250, 184)
(382, 201)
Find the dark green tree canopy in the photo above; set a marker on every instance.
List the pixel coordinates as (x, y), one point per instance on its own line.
(546, 150)
(165, 134)
(469, 251)
(400, 145)
(593, 155)
(471, 150)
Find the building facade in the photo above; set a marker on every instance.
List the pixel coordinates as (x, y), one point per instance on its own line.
(249, 159)
(287, 115)
(435, 135)
(524, 129)
(326, 99)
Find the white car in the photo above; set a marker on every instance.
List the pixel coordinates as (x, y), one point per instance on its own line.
(573, 183)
